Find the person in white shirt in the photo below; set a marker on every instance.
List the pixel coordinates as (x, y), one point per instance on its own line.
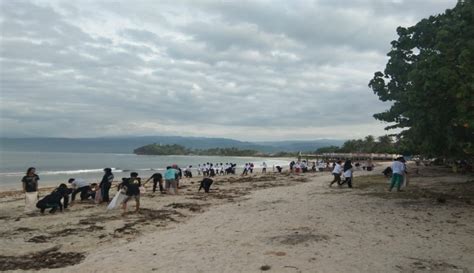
(264, 167)
(398, 172)
(80, 185)
(337, 171)
(246, 169)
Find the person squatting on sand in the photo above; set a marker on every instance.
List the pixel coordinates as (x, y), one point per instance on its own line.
(30, 188)
(132, 190)
(157, 179)
(105, 184)
(53, 200)
(398, 172)
(337, 173)
(206, 184)
(171, 185)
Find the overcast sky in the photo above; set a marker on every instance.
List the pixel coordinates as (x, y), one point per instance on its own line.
(249, 70)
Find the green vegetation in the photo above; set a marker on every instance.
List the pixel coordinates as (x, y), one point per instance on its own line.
(156, 149)
(384, 144)
(175, 149)
(430, 80)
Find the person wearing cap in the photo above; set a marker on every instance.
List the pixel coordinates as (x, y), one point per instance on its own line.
(398, 171)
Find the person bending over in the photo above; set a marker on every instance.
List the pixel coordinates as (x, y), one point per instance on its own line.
(206, 184)
(53, 200)
(157, 179)
(80, 185)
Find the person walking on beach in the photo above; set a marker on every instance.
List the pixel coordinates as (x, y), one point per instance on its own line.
(264, 167)
(170, 180)
(132, 190)
(348, 173)
(105, 184)
(337, 173)
(30, 188)
(157, 179)
(398, 171)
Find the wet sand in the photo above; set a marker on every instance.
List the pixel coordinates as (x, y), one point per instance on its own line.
(274, 222)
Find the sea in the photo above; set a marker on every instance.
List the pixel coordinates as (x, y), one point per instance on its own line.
(54, 168)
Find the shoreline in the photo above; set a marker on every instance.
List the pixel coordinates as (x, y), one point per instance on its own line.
(57, 168)
(285, 221)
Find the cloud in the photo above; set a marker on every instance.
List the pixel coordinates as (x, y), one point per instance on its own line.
(252, 70)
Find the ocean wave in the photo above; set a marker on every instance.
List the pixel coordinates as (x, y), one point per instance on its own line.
(77, 171)
(62, 172)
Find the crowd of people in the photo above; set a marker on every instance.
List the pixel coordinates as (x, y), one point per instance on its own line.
(211, 170)
(168, 182)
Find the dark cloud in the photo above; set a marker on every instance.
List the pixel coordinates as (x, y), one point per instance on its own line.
(248, 70)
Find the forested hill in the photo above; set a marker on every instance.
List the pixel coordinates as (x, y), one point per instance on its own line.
(157, 149)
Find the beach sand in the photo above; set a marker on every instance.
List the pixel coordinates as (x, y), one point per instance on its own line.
(274, 222)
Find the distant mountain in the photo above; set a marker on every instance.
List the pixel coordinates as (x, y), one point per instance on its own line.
(126, 145)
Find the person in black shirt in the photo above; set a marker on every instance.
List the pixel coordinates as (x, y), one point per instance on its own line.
(132, 187)
(206, 184)
(53, 200)
(30, 188)
(106, 183)
(157, 179)
(387, 172)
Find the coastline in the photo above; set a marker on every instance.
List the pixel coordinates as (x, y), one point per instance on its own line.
(55, 168)
(289, 222)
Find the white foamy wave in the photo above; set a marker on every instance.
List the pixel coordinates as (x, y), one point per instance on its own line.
(13, 174)
(152, 169)
(76, 171)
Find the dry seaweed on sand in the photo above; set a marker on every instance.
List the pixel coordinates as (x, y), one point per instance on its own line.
(48, 258)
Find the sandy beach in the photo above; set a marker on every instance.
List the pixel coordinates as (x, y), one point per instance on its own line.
(273, 222)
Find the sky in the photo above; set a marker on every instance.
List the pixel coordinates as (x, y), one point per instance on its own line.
(248, 70)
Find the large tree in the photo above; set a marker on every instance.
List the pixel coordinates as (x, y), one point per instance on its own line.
(430, 80)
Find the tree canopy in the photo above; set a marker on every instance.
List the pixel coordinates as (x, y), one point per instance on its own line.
(430, 80)
(175, 149)
(383, 144)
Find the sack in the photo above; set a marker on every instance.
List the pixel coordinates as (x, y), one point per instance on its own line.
(117, 201)
(98, 196)
(142, 190)
(31, 198)
(405, 183)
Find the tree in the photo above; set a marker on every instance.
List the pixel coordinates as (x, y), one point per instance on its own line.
(327, 149)
(430, 80)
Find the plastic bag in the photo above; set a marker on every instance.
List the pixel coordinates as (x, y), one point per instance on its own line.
(116, 201)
